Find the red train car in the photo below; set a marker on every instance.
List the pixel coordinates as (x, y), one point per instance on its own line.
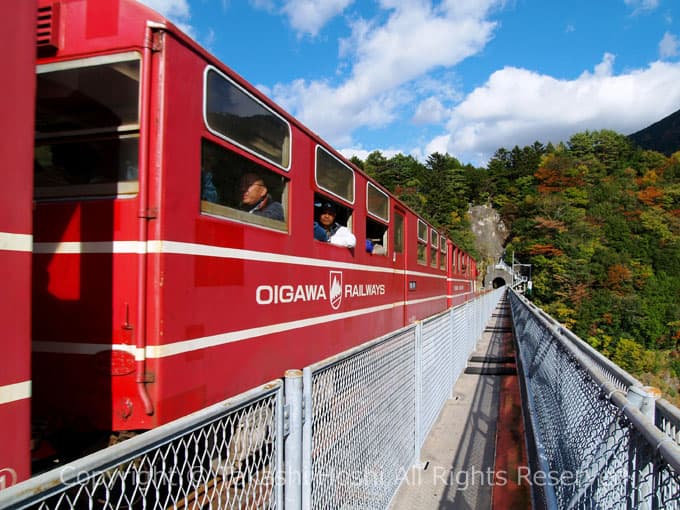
(175, 262)
(17, 36)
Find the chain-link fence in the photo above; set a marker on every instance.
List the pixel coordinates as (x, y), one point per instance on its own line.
(368, 411)
(350, 428)
(225, 456)
(594, 436)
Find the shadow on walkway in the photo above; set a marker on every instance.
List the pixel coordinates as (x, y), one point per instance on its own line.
(458, 460)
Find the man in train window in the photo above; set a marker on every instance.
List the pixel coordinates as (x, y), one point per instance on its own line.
(255, 198)
(326, 229)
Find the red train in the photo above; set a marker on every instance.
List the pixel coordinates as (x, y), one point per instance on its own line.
(174, 260)
(17, 34)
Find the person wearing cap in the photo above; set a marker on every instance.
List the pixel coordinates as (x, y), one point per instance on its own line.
(329, 231)
(256, 199)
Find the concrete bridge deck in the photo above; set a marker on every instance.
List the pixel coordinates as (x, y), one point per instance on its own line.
(474, 456)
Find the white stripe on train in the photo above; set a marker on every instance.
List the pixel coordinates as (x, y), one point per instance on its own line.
(205, 250)
(196, 344)
(15, 392)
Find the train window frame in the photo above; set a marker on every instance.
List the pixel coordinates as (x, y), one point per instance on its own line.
(434, 247)
(379, 198)
(351, 188)
(398, 232)
(55, 183)
(443, 249)
(377, 233)
(228, 208)
(422, 242)
(422, 231)
(286, 146)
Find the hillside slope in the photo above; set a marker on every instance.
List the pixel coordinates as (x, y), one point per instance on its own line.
(662, 136)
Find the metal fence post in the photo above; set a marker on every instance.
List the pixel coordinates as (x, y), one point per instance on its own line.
(293, 443)
(452, 347)
(642, 465)
(418, 388)
(307, 429)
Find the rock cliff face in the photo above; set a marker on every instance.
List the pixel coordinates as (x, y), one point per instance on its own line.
(490, 233)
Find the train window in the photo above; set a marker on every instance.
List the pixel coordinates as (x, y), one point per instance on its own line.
(343, 217)
(87, 127)
(442, 249)
(377, 202)
(434, 247)
(376, 237)
(232, 113)
(422, 231)
(398, 236)
(241, 189)
(422, 243)
(334, 176)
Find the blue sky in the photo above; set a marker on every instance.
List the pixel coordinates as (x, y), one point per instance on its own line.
(463, 77)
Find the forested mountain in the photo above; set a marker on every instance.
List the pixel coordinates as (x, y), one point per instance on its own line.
(440, 190)
(662, 136)
(598, 219)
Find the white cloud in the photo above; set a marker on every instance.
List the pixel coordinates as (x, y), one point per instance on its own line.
(176, 11)
(518, 107)
(384, 61)
(173, 9)
(669, 46)
(309, 16)
(429, 111)
(363, 153)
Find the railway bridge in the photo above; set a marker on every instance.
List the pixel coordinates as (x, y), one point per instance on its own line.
(491, 404)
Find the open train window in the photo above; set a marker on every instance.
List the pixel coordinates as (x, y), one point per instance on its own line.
(343, 217)
(334, 176)
(378, 205)
(434, 247)
(87, 127)
(236, 187)
(376, 237)
(442, 249)
(422, 243)
(232, 113)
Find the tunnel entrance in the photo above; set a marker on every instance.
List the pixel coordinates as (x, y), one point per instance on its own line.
(498, 282)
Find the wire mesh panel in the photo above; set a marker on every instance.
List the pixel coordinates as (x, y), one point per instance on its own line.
(461, 342)
(226, 456)
(436, 370)
(363, 424)
(600, 451)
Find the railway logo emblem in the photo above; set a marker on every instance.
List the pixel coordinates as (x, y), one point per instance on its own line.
(335, 293)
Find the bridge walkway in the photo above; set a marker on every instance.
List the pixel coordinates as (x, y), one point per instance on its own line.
(476, 449)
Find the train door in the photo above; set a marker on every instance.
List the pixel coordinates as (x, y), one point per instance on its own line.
(399, 256)
(88, 251)
(17, 34)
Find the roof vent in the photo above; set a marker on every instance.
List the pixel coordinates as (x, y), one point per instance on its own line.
(47, 30)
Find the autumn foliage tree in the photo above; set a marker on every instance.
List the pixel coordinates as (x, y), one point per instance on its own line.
(597, 218)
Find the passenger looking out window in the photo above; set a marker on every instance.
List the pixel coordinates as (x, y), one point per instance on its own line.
(255, 198)
(237, 187)
(327, 230)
